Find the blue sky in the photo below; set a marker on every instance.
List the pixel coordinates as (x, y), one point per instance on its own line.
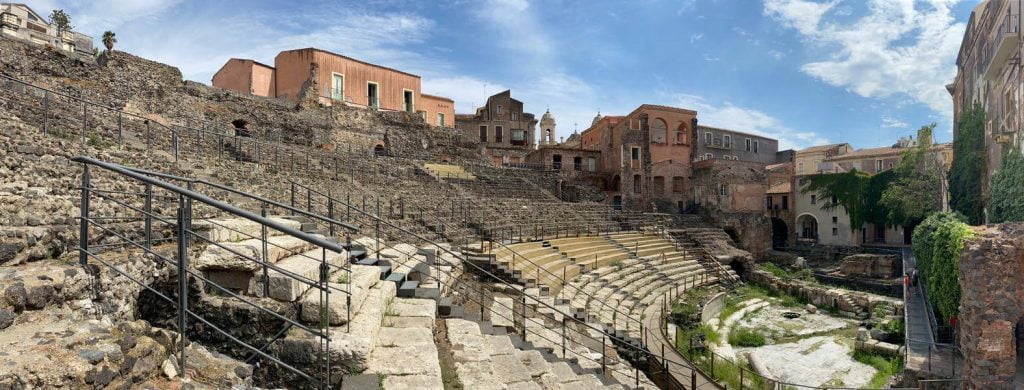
(803, 71)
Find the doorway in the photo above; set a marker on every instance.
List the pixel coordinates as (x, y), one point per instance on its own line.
(780, 233)
(407, 99)
(372, 94)
(617, 203)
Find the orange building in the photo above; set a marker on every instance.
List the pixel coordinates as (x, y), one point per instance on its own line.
(335, 79)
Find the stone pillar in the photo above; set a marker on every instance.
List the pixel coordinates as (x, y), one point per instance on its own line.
(991, 304)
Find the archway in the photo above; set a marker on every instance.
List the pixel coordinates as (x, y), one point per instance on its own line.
(808, 226)
(616, 182)
(378, 150)
(780, 233)
(659, 130)
(733, 234)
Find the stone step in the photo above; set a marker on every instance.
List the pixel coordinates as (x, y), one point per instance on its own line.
(360, 281)
(224, 257)
(283, 286)
(237, 229)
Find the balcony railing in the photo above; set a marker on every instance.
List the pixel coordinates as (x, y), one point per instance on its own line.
(1001, 46)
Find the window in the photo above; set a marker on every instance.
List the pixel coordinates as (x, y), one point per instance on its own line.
(835, 231)
(677, 184)
(835, 220)
(878, 165)
(591, 164)
(768, 200)
(727, 141)
(440, 119)
(635, 153)
(890, 165)
(372, 94)
(483, 133)
(707, 138)
(785, 202)
(747, 142)
(518, 137)
(338, 86)
(756, 144)
(637, 185)
(499, 110)
(659, 185)
(407, 99)
(497, 133)
(577, 163)
(659, 131)
(814, 199)
(556, 162)
(723, 190)
(515, 116)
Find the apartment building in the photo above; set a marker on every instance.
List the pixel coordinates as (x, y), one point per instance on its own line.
(21, 22)
(989, 73)
(506, 133)
(645, 155)
(724, 144)
(334, 79)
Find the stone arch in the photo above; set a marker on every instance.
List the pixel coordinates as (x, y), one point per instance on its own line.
(682, 134)
(807, 227)
(379, 149)
(659, 131)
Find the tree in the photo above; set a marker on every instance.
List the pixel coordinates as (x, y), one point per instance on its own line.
(937, 245)
(1007, 199)
(61, 20)
(109, 39)
(967, 174)
(916, 190)
(845, 189)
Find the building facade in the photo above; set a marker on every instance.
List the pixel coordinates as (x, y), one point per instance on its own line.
(645, 156)
(328, 78)
(506, 133)
(779, 203)
(715, 143)
(989, 74)
(21, 22)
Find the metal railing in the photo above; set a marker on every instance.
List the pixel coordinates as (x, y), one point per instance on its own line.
(185, 235)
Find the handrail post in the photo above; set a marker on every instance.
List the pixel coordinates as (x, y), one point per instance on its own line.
(604, 341)
(182, 284)
(563, 337)
(377, 228)
(263, 239)
(46, 111)
(330, 214)
(85, 121)
(174, 139)
(148, 217)
(293, 194)
(83, 224)
(120, 131)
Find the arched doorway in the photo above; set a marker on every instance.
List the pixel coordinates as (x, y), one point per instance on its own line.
(378, 150)
(808, 227)
(616, 182)
(780, 233)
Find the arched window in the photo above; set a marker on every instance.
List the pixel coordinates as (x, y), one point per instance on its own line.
(681, 134)
(659, 131)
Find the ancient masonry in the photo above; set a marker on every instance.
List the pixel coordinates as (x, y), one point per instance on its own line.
(140, 230)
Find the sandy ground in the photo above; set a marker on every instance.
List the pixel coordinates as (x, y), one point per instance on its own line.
(813, 361)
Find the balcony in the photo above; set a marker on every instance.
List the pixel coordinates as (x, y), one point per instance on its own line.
(1002, 46)
(8, 19)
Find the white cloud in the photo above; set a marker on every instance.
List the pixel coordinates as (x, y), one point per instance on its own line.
(899, 48)
(696, 37)
(777, 55)
(686, 6)
(708, 57)
(729, 116)
(893, 123)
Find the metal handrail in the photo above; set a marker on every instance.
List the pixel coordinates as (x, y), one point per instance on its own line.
(185, 198)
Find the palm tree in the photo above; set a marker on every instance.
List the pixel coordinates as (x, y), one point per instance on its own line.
(109, 39)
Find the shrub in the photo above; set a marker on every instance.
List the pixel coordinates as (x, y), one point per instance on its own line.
(1007, 198)
(746, 338)
(922, 240)
(886, 366)
(944, 269)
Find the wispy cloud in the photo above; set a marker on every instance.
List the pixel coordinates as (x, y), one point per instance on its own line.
(730, 116)
(696, 37)
(898, 48)
(893, 123)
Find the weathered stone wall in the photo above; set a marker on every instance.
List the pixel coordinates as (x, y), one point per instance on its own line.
(852, 304)
(870, 266)
(992, 305)
(712, 307)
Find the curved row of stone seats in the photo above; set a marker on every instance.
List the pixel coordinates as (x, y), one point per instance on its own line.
(489, 361)
(613, 300)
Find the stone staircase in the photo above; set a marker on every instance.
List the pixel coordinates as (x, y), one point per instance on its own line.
(448, 172)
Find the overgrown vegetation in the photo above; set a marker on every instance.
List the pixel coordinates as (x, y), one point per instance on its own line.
(969, 166)
(800, 274)
(747, 338)
(886, 366)
(914, 190)
(937, 244)
(1007, 194)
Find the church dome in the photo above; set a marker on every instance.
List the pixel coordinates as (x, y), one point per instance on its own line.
(547, 117)
(596, 118)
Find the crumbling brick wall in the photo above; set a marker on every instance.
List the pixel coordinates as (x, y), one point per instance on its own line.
(992, 305)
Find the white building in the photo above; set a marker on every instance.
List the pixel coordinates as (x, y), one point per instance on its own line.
(22, 22)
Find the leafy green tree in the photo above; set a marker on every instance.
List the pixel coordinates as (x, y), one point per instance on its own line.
(969, 166)
(1007, 198)
(61, 20)
(846, 190)
(937, 243)
(916, 190)
(109, 39)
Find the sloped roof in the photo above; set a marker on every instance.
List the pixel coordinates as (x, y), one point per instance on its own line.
(781, 188)
(868, 152)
